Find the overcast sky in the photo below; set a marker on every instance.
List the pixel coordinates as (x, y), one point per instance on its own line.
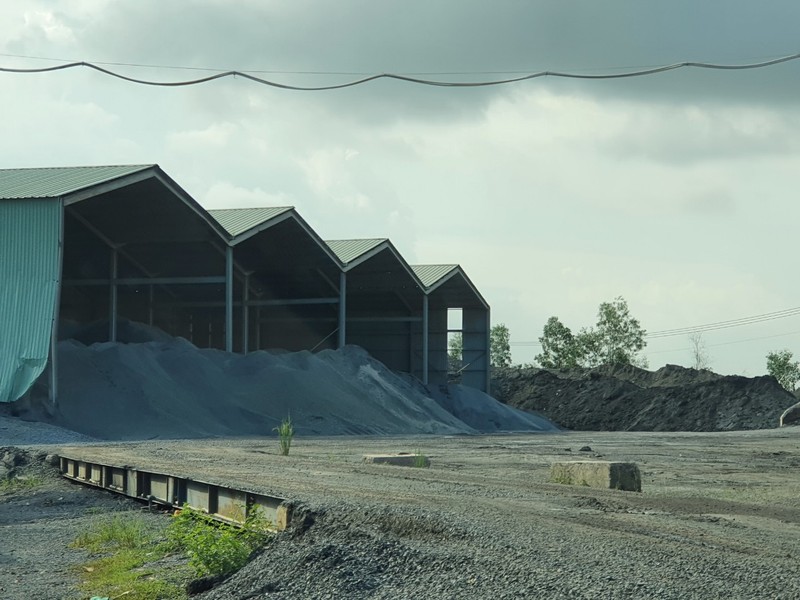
(677, 191)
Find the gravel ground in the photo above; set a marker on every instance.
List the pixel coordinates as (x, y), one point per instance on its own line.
(38, 524)
(718, 517)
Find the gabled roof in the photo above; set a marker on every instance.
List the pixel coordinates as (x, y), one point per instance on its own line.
(349, 251)
(237, 221)
(272, 231)
(450, 283)
(430, 275)
(55, 182)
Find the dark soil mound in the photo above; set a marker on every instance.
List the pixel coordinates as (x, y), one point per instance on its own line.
(626, 398)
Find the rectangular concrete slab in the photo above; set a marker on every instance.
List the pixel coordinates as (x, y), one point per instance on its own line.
(400, 459)
(598, 474)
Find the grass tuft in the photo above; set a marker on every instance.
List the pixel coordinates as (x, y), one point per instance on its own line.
(285, 435)
(420, 460)
(115, 533)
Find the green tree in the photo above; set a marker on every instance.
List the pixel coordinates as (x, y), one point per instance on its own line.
(560, 349)
(620, 337)
(500, 346)
(616, 339)
(455, 352)
(781, 366)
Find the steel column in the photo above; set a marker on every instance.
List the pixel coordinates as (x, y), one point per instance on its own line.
(53, 391)
(112, 334)
(229, 299)
(425, 340)
(245, 314)
(342, 310)
(150, 308)
(258, 328)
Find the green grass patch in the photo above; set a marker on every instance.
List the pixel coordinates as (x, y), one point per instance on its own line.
(138, 559)
(117, 532)
(130, 550)
(126, 574)
(19, 484)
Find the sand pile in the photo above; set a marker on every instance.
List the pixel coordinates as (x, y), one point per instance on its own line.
(172, 389)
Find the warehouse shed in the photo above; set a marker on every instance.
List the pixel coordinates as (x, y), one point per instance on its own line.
(384, 302)
(447, 287)
(101, 246)
(289, 296)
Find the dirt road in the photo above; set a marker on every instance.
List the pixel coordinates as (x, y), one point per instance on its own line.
(718, 515)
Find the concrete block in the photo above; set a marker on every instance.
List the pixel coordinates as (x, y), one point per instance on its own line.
(598, 474)
(402, 459)
(283, 516)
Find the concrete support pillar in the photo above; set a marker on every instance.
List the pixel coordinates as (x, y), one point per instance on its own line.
(342, 310)
(229, 299)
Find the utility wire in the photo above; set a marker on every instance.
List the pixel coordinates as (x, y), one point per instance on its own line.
(403, 78)
(780, 314)
(731, 343)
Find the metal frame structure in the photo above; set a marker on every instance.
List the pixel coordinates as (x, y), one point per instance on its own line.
(135, 246)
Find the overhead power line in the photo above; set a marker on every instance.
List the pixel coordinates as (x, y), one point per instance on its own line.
(400, 77)
(781, 314)
(771, 316)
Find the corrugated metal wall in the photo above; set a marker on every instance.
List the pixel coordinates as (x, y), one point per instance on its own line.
(29, 274)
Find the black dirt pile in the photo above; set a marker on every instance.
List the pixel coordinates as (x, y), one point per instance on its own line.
(626, 398)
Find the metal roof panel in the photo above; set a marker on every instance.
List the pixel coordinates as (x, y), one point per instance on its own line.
(430, 274)
(237, 221)
(349, 250)
(56, 182)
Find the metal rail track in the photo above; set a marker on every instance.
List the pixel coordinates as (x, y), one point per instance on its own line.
(225, 503)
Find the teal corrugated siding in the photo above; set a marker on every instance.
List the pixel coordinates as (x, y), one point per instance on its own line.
(29, 274)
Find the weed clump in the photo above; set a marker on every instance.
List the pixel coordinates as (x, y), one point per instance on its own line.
(421, 461)
(214, 548)
(285, 434)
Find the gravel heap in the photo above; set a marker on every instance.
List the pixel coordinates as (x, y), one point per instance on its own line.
(626, 398)
(385, 553)
(152, 386)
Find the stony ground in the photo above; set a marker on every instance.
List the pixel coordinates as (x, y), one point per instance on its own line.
(41, 514)
(718, 517)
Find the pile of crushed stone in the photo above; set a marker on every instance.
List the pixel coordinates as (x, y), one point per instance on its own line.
(169, 388)
(626, 398)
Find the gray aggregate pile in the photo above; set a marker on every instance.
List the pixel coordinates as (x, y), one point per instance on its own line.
(382, 553)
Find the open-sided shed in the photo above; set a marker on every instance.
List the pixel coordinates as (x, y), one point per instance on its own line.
(448, 287)
(88, 244)
(101, 245)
